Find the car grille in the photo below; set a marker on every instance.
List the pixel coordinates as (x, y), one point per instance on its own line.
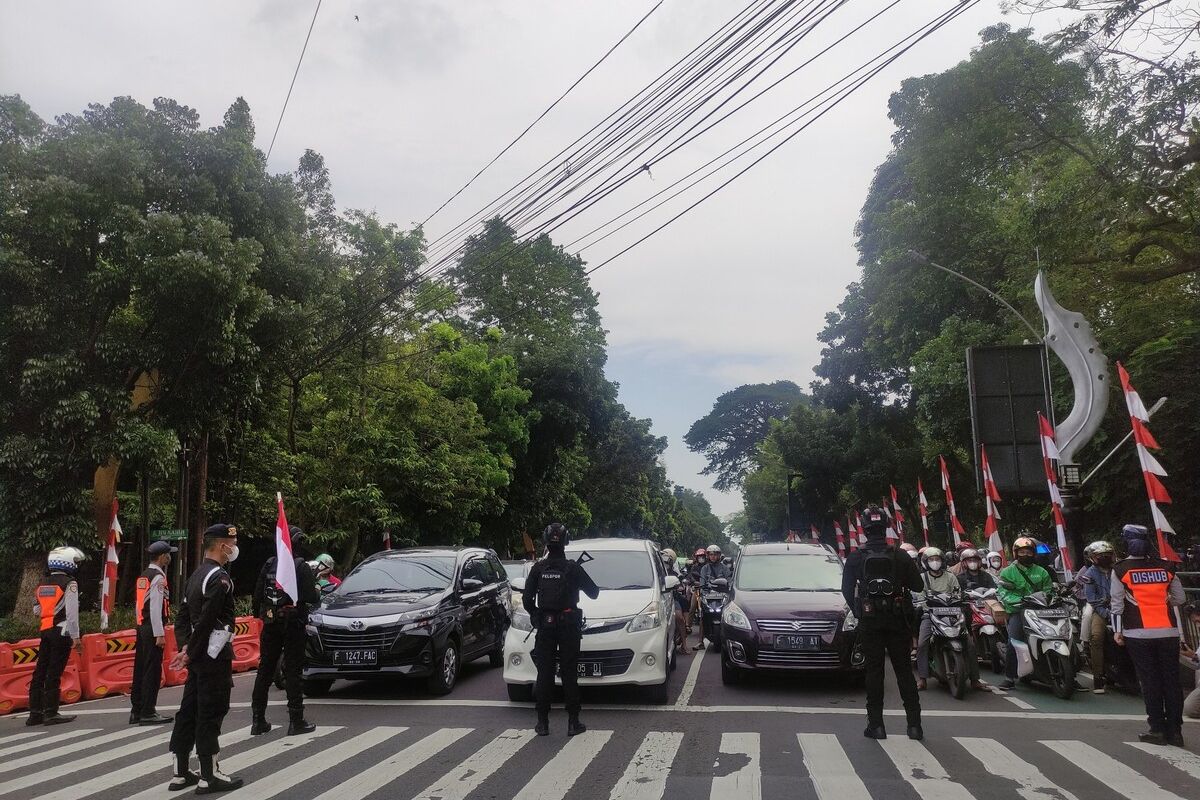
(821, 627)
(338, 639)
(776, 658)
(614, 625)
(612, 662)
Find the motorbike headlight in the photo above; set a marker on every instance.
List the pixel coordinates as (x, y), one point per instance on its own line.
(521, 620)
(850, 622)
(648, 619)
(734, 617)
(1040, 626)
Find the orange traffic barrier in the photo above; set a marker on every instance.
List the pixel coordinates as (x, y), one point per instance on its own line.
(108, 663)
(17, 662)
(246, 634)
(171, 677)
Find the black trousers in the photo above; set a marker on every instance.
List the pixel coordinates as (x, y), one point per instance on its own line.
(203, 707)
(884, 639)
(557, 643)
(53, 654)
(1157, 664)
(147, 673)
(283, 638)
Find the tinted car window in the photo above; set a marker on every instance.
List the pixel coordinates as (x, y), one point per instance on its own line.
(782, 572)
(476, 568)
(620, 569)
(405, 574)
(495, 570)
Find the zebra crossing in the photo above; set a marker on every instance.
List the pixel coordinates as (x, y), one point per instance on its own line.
(465, 763)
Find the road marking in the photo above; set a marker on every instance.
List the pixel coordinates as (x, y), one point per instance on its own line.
(28, 761)
(380, 775)
(922, 771)
(745, 782)
(62, 737)
(555, 779)
(283, 780)
(235, 763)
(646, 776)
(105, 757)
(22, 736)
(689, 683)
(1175, 756)
(467, 776)
(1004, 763)
(832, 775)
(1118, 777)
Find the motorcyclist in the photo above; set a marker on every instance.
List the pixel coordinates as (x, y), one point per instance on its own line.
(973, 575)
(326, 580)
(909, 549)
(955, 560)
(671, 567)
(714, 568)
(693, 582)
(1096, 594)
(995, 563)
(938, 580)
(1017, 581)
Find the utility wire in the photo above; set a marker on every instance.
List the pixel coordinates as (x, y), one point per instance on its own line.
(292, 85)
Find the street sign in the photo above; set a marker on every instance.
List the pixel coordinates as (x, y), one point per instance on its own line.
(169, 535)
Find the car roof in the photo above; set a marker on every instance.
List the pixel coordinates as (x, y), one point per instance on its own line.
(612, 543)
(787, 548)
(456, 550)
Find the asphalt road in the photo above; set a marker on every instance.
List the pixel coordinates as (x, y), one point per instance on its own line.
(784, 737)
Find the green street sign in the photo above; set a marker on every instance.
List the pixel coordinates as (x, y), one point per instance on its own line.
(169, 535)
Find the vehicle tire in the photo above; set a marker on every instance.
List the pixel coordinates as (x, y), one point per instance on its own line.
(730, 676)
(445, 670)
(999, 655)
(657, 694)
(316, 687)
(1062, 675)
(496, 657)
(956, 673)
(520, 692)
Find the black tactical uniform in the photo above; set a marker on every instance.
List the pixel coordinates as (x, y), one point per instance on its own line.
(878, 592)
(551, 596)
(283, 634)
(153, 614)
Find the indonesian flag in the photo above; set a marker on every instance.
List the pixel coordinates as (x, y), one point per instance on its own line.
(956, 526)
(387, 540)
(1139, 417)
(108, 583)
(891, 526)
(285, 562)
(858, 526)
(816, 534)
(923, 507)
(991, 496)
(897, 514)
(853, 537)
(841, 538)
(1050, 452)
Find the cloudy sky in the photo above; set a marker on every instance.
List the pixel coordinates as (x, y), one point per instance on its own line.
(410, 99)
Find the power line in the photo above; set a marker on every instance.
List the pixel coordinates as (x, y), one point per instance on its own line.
(292, 85)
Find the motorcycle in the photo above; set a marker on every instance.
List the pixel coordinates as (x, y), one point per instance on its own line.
(989, 635)
(1118, 668)
(948, 643)
(712, 603)
(1049, 650)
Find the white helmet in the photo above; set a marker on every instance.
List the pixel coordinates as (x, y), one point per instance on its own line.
(712, 548)
(65, 558)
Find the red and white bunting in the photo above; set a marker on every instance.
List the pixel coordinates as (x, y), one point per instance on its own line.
(1139, 417)
(956, 526)
(285, 562)
(923, 507)
(858, 527)
(108, 581)
(816, 534)
(991, 496)
(840, 537)
(1050, 453)
(897, 514)
(851, 535)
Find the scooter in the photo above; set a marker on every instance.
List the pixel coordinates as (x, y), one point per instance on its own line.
(986, 631)
(948, 643)
(712, 603)
(1049, 650)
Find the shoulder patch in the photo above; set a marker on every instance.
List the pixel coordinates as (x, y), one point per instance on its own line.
(72, 587)
(225, 582)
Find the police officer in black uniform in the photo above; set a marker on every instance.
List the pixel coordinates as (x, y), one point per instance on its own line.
(204, 633)
(282, 634)
(153, 613)
(551, 596)
(876, 583)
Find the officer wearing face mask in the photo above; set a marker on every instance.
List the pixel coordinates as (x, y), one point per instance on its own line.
(153, 614)
(1016, 582)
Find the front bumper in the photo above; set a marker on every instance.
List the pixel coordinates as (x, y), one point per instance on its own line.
(638, 659)
(754, 650)
(409, 653)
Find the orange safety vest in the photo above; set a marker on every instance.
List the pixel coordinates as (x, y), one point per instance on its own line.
(1146, 581)
(143, 593)
(51, 600)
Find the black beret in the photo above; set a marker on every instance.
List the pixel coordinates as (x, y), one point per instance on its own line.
(220, 531)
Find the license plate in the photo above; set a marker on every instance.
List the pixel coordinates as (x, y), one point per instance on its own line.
(1052, 613)
(584, 669)
(356, 658)
(791, 641)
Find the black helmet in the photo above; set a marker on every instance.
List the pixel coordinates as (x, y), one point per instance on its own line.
(875, 522)
(556, 535)
(295, 534)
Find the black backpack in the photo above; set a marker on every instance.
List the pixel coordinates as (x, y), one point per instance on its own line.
(881, 592)
(554, 589)
(274, 598)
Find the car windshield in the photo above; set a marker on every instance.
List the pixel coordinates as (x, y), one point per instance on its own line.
(515, 569)
(618, 569)
(787, 572)
(404, 574)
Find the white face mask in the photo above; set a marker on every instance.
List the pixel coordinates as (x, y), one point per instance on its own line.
(233, 553)
(973, 565)
(935, 565)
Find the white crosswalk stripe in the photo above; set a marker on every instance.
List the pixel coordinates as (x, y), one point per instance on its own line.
(554, 780)
(23, 735)
(46, 741)
(922, 771)
(95, 760)
(476, 769)
(391, 768)
(745, 780)
(1121, 779)
(1004, 763)
(829, 768)
(69, 749)
(1177, 757)
(646, 776)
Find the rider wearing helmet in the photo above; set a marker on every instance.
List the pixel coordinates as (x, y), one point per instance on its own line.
(714, 567)
(973, 575)
(57, 603)
(671, 567)
(994, 563)
(326, 580)
(1017, 581)
(909, 549)
(938, 580)
(955, 560)
(1096, 589)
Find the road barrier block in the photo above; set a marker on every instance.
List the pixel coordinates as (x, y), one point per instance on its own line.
(246, 634)
(108, 663)
(171, 677)
(17, 662)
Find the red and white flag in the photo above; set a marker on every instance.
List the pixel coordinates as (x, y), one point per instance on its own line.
(923, 507)
(851, 535)
(890, 532)
(858, 527)
(108, 582)
(956, 526)
(791, 537)
(387, 540)
(1139, 417)
(897, 515)
(816, 534)
(285, 562)
(1050, 453)
(841, 538)
(991, 496)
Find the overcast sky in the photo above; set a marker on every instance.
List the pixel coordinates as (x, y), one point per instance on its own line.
(412, 98)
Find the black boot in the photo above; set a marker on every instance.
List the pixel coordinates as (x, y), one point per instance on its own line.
(1175, 738)
(35, 718)
(543, 725)
(574, 726)
(258, 722)
(57, 719)
(297, 724)
(134, 718)
(915, 732)
(213, 780)
(875, 732)
(181, 776)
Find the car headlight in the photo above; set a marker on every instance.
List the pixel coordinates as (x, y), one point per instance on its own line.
(648, 619)
(734, 617)
(850, 622)
(521, 620)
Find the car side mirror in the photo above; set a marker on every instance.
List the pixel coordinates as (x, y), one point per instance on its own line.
(517, 584)
(471, 584)
(670, 583)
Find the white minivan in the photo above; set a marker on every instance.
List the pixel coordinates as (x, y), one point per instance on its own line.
(629, 630)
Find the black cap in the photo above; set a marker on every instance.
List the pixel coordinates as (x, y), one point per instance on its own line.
(220, 531)
(158, 548)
